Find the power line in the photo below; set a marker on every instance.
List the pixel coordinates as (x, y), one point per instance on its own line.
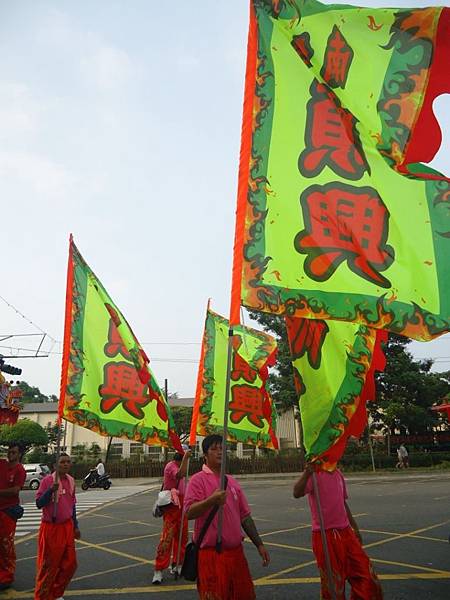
(17, 311)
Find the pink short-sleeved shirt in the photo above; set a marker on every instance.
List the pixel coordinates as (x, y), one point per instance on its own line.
(333, 493)
(170, 478)
(236, 508)
(66, 500)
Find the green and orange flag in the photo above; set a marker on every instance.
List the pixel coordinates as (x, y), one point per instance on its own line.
(337, 218)
(334, 367)
(252, 414)
(106, 383)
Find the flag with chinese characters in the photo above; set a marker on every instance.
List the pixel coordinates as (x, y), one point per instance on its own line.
(252, 414)
(106, 383)
(334, 368)
(337, 218)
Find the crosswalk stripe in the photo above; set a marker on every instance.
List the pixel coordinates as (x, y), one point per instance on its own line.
(32, 515)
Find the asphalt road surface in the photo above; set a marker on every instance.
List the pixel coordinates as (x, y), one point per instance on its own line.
(404, 519)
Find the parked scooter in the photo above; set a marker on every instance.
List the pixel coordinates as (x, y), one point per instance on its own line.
(92, 480)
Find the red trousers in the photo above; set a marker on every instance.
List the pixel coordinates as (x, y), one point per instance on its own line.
(170, 535)
(56, 561)
(349, 562)
(224, 576)
(7, 550)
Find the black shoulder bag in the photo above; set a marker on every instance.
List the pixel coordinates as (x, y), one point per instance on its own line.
(189, 569)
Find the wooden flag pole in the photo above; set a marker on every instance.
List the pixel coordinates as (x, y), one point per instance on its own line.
(223, 466)
(324, 538)
(58, 454)
(180, 536)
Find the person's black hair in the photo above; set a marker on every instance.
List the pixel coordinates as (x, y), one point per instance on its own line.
(56, 457)
(178, 456)
(19, 446)
(211, 440)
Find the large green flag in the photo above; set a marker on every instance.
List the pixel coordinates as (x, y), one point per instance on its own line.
(106, 384)
(336, 218)
(252, 414)
(334, 367)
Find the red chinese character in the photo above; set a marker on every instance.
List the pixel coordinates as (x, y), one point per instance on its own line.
(337, 60)
(344, 223)
(331, 137)
(122, 386)
(302, 45)
(247, 401)
(306, 336)
(240, 368)
(298, 381)
(115, 344)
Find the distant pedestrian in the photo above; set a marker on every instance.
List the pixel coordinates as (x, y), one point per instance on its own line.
(403, 458)
(174, 480)
(56, 561)
(12, 478)
(222, 575)
(349, 562)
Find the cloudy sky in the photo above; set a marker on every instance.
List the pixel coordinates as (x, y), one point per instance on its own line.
(120, 122)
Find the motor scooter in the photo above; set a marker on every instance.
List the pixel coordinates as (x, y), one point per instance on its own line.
(93, 480)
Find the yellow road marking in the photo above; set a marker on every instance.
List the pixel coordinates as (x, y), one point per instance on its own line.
(410, 566)
(13, 595)
(289, 570)
(116, 552)
(417, 537)
(403, 535)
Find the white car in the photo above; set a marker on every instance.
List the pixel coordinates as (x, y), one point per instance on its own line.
(35, 473)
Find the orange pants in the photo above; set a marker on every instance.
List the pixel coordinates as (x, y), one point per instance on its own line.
(349, 563)
(7, 550)
(56, 561)
(170, 535)
(224, 576)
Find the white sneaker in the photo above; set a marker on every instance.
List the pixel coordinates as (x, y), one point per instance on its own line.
(157, 577)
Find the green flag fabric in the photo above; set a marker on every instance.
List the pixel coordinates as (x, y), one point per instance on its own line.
(334, 366)
(337, 218)
(252, 414)
(106, 384)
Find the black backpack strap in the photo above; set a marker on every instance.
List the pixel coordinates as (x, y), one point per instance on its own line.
(208, 521)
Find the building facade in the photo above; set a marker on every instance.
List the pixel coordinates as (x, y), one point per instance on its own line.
(45, 413)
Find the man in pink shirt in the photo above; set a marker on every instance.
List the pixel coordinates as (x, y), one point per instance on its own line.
(174, 479)
(349, 562)
(224, 575)
(56, 561)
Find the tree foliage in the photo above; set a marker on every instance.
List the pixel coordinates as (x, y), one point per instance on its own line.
(281, 379)
(405, 391)
(182, 416)
(34, 394)
(26, 433)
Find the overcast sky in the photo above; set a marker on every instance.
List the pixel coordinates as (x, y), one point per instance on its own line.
(120, 122)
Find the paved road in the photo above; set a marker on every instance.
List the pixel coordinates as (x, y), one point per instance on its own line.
(405, 521)
(85, 501)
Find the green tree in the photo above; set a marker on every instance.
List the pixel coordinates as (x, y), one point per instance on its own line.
(25, 432)
(281, 378)
(52, 433)
(31, 393)
(182, 416)
(406, 390)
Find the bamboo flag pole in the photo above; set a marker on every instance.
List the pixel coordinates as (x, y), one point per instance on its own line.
(180, 535)
(223, 466)
(58, 454)
(324, 539)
